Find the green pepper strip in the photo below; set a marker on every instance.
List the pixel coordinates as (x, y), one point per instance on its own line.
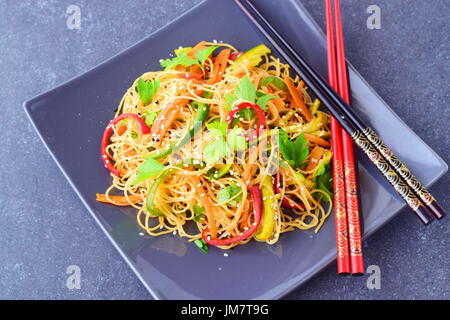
(152, 192)
(199, 120)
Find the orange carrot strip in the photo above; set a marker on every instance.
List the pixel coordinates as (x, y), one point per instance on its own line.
(219, 67)
(118, 200)
(298, 101)
(121, 130)
(316, 140)
(207, 205)
(316, 154)
(164, 121)
(198, 47)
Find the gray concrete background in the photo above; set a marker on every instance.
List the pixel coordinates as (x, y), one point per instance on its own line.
(45, 228)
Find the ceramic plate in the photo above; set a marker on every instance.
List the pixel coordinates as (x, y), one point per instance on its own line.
(71, 118)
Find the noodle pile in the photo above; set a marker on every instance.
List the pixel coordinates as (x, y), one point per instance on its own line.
(189, 196)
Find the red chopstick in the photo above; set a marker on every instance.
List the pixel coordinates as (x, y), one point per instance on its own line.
(340, 208)
(338, 69)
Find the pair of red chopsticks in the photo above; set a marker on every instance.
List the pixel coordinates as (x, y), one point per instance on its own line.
(346, 203)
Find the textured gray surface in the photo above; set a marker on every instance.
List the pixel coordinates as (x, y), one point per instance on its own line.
(45, 228)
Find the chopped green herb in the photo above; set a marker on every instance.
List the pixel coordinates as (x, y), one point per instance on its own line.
(277, 82)
(203, 54)
(182, 59)
(325, 182)
(262, 101)
(215, 150)
(149, 168)
(198, 213)
(246, 90)
(147, 90)
(294, 152)
(150, 117)
(235, 140)
(201, 244)
(231, 194)
(134, 135)
(218, 128)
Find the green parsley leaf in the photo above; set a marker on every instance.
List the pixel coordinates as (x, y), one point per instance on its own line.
(294, 152)
(149, 168)
(218, 128)
(182, 59)
(134, 135)
(262, 101)
(320, 170)
(201, 244)
(275, 81)
(325, 182)
(215, 150)
(147, 89)
(150, 117)
(246, 90)
(235, 140)
(198, 213)
(203, 54)
(230, 99)
(231, 194)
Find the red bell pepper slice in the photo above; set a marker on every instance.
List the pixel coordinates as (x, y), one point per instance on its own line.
(244, 105)
(284, 202)
(258, 208)
(236, 55)
(107, 133)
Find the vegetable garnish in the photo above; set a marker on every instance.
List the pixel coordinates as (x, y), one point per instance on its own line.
(259, 113)
(198, 213)
(201, 244)
(193, 167)
(325, 181)
(150, 205)
(148, 169)
(246, 91)
(269, 206)
(257, 208)
(294, 152)
(277, 82)
(150, 117)
(107, 133)
(231, 194)
(200, 118)
(252, 57)
(224, 142)
(147, 89)
(120, 201)
(185, 58)
(298, 101)
(287, 203)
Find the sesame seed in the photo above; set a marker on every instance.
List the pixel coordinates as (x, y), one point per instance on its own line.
(225, 254)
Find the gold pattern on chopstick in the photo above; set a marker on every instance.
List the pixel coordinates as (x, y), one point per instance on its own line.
(340, 211)
(352, 209)
(383, 166)
(399, 166)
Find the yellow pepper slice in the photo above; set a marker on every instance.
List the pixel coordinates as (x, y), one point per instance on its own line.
(268, 220)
